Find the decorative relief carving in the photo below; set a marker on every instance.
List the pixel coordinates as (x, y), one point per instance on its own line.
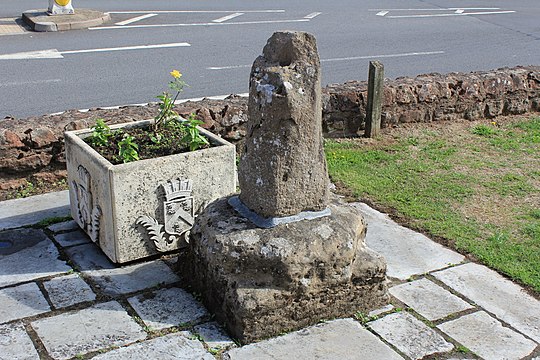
(178, 215)
(88, 216)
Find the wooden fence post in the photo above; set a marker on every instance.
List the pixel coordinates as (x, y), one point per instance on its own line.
(375, 95)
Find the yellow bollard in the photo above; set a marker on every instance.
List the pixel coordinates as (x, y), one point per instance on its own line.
(60, 7)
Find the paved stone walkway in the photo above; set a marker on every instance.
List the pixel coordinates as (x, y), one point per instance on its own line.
(60, 298)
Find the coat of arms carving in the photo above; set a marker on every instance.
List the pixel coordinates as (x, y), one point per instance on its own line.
(178, 216)
(88, 215)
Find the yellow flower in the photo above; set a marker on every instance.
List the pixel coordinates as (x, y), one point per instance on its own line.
(176, 74)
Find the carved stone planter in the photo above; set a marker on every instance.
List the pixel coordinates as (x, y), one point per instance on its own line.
(146, 207)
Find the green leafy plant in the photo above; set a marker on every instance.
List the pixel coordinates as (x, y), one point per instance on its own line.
(166, 112)
(101, 133)
(26, 190)
(127, 149)
(484, 130)
(169, 134)
(193, 138)
(364, 318)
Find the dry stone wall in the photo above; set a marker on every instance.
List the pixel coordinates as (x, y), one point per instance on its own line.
(34, 146)
(434, 97)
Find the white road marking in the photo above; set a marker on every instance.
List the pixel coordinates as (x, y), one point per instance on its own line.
(384, 56)
(312, 15)
(227, 67)
(460, 11)
(135, 19)
(55, 54)
(194, 11)
(453, 14)
(382, 13)
(435, 9)
(138, 47)
(197, 24)
(344, 59)
(40, 54)
(228, 17)
(34, 82)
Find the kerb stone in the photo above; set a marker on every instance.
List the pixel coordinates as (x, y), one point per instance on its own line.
(282, 170)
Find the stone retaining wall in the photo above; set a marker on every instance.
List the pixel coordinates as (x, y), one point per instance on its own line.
(34, 146)
(434, 97)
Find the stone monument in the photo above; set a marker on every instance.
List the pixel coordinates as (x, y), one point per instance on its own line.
(283, 161)
(285, 254)
(60, 7)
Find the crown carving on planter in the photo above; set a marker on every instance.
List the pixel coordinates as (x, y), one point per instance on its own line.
(177, 188)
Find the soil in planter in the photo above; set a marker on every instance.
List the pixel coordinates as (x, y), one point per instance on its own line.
(166, 141)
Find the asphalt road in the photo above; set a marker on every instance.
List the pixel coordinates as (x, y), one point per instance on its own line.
(409, 36)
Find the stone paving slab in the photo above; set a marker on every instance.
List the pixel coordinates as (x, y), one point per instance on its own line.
(406, 252)
(214, 336)
(68, 290)
(79, 332)
(380, 311)
(409, 335)
(176, 346)
(429, 299)
(72, 238)
(21, 301)
(334, 340)
(31, 210)
(89, 257)
(28, 255)
(167, 307)
(506, 300)
(486, 337)
(64, 226)
(128, 279)
(15, 344)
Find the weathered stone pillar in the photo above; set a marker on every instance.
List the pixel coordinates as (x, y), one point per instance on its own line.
(283, 169)
(60, 7)
(262, 281)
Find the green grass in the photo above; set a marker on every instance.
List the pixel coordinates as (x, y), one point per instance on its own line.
(477, 186)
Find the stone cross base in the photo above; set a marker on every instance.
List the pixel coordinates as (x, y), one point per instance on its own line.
(262, 282)
(60, 7)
